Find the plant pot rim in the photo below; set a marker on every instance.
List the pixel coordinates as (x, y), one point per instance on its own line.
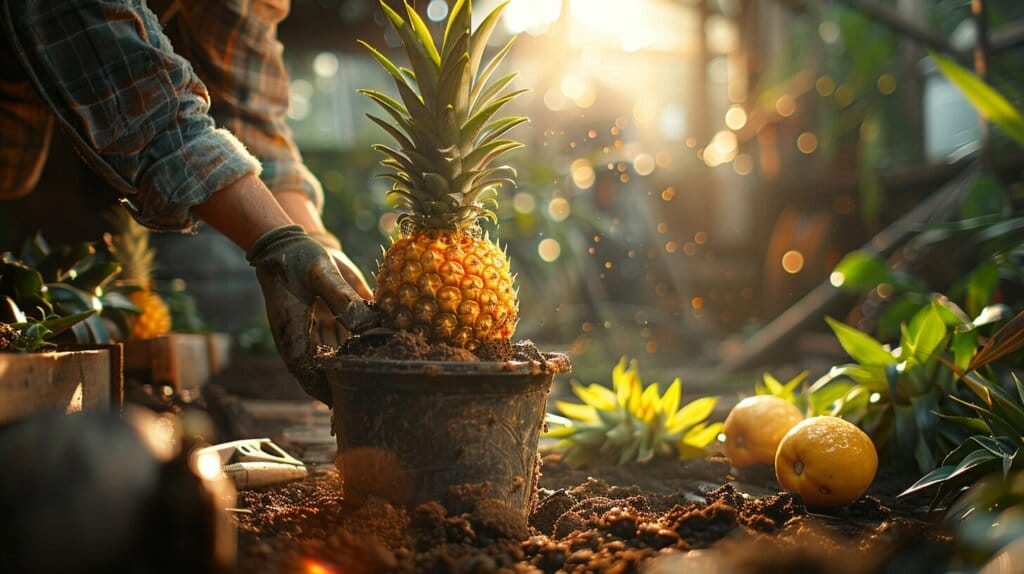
(554, 363)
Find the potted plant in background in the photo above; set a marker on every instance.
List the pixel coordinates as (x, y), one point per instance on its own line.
(456, 430)
(156, 351)
(55, 352)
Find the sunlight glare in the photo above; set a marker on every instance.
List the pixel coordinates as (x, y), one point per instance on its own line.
(531, 16)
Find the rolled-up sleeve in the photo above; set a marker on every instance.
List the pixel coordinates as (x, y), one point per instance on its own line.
(137, 111)
(234, 48)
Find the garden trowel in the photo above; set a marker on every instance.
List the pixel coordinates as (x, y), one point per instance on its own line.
(256, 462)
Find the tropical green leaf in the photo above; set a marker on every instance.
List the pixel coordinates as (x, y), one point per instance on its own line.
(459, 23)
(480, 39)
(924, 335)
(481, 80)
(862, 347)
(861, 270)
(989, 103)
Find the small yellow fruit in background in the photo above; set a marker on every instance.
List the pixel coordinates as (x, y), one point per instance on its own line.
(827, 461)
(754, 428)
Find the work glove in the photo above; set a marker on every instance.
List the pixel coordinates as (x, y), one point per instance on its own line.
(326, 330)
(295, 271)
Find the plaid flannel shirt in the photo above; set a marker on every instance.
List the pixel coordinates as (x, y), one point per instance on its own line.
(137, 109)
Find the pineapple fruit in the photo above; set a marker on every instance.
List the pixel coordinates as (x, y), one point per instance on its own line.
(130, 247)
(443, 277)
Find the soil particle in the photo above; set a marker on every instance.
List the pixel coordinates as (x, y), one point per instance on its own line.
(549, 509)
(700, 526)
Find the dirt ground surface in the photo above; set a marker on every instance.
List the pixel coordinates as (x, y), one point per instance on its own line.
(664, 516)
(623, 519)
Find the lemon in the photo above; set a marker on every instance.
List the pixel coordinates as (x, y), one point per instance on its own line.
(754, 428)
(828, 461)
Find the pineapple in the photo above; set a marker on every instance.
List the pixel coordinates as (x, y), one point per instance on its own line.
(130, 247)
(443, 277)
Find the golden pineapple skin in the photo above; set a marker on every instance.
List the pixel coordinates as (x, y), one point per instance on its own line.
(452, 286)
(154, 320)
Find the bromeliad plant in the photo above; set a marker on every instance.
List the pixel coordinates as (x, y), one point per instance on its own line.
(631, 423)
(444, 277)
(822, 401)
(995, 427)
(895, 393)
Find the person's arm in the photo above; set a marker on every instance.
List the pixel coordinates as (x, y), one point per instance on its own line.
(138, 114)
(243, 211)
(234, 48)
(135, 109)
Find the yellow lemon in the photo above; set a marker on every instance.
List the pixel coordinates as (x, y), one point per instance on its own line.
(754, 428)
(827, 461)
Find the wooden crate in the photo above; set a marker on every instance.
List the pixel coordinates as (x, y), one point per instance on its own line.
(183, 361)
(70, 381)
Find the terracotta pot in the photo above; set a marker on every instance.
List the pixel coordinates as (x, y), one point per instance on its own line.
(454, 432)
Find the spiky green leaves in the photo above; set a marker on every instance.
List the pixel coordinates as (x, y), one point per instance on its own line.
(445, 124)
(630, 423)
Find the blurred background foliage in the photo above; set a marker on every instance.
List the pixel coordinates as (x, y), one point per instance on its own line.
(693, 168)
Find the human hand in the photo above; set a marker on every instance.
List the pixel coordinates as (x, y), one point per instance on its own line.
(294, 272)
(326, 330)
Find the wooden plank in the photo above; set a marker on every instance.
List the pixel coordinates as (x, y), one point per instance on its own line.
(116, 351)
(67, 381)
(183, 361)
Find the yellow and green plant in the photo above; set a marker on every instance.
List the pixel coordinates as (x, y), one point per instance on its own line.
(631, 423)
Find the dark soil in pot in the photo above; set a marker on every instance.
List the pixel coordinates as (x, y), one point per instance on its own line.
(656, 511)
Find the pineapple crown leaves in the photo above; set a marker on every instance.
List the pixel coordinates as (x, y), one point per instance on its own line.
(444, 124)
(631, 423)
(130, 247)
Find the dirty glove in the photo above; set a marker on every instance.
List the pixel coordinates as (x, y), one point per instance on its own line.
(327, 331)
(294, 271)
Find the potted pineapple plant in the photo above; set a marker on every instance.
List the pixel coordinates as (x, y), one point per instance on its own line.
(454, 431)
(183, 362)
(55, 353)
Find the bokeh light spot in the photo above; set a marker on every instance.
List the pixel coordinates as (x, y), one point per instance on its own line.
(549, 249)
(736, 118)
(785, 105)
(886, 84)
(325, 65)
(582, 172)
(825, 86)
(558, 209)
(643, 164)
(793, 261)
(807, 142)
(524, 203)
